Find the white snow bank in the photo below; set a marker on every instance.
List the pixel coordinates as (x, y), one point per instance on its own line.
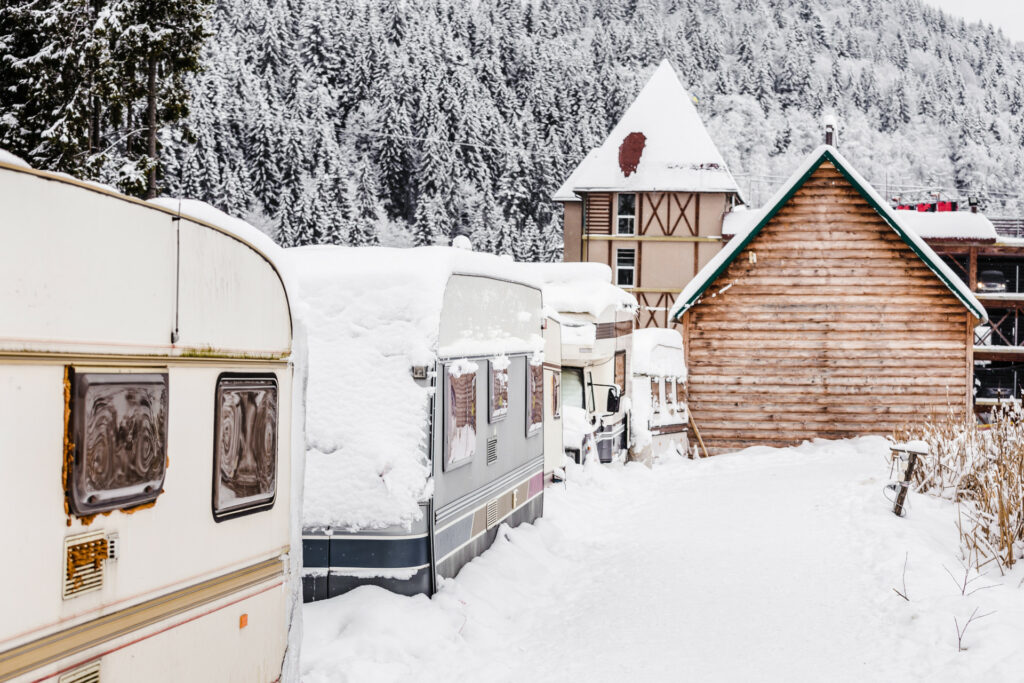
(8, 158)
(959, 225)
(576, 427)
(658, 353)
(678, 153)
(371, 314)
(578, 288)
(791, 556)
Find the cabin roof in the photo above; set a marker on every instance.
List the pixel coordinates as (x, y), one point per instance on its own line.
(677, 155)
(748, 224)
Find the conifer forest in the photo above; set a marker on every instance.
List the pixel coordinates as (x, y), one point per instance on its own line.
(411, 122)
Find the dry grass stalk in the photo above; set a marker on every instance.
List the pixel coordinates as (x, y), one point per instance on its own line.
(982, 471)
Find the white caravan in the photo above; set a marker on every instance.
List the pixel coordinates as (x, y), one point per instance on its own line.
(659, 418)
(145, 385)
(425, 412)
(596, 319)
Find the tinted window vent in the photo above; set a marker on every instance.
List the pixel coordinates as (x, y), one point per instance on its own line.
(492, 450)
(84, 560)
(492, 513)
(90, 673)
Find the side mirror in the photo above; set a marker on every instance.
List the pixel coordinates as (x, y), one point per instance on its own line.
(613, 400)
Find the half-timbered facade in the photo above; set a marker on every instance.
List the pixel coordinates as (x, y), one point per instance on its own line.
(649, 202)
(824, 317)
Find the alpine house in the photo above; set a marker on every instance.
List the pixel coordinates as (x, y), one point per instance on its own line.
(825, 316)
(649, 201)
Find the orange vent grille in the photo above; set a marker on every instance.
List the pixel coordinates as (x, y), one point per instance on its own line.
(84, 563)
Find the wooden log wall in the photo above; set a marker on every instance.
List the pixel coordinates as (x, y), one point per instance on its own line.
(838, 329)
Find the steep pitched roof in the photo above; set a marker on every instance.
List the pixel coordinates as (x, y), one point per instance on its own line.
(753, 221)
(676, 153)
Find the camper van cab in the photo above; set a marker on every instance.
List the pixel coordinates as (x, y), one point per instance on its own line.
(146, 387)
(596, 320)
(438, 436)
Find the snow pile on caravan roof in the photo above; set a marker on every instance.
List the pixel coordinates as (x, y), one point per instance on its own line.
(12, 160)
(661, 142)
(371, 314)
(203, 212)
(658, 352)
(578, 288)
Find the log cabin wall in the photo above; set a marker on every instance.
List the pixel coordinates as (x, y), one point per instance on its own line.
(827, 325)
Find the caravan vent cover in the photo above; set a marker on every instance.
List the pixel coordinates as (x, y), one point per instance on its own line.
(492, 450)
(84, 557)
(492, 513)
(90, 673)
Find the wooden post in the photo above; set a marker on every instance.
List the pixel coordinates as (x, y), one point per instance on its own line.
(696, 432)
(903, 485)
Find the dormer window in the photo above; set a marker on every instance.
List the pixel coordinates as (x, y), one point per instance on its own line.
(625, 224)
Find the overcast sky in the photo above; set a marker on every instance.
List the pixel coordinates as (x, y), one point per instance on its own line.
(1005, 14)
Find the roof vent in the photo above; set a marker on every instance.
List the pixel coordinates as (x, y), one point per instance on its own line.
(90, 673)
(84, 560)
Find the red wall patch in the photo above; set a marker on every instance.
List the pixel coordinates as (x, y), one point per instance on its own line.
(629, 152)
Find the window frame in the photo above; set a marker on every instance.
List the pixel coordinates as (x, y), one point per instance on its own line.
(492, 416)
(619, 216)
(221, 515)
(620, 268)
(446, 439)
(532, 385)
(80, 381)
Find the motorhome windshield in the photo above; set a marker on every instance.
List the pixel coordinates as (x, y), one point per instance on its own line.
(572, 387)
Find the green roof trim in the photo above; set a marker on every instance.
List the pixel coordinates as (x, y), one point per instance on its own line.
(827, 154)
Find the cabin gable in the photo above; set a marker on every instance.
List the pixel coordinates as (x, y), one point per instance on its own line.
(825, 324)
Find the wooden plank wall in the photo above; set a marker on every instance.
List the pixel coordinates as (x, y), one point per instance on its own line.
(837, 330)
(599, 213)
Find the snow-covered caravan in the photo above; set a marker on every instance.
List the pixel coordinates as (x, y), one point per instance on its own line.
(658, 394)
(425, 412)
(596, 320)
(554, 453)
(145, 386)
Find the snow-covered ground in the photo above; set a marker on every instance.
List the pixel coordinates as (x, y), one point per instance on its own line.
(768, 564)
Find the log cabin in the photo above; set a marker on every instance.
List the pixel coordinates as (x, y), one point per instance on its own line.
(824, 317)
(650, 200)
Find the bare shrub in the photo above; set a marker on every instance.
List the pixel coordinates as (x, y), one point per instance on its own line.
(982, 471)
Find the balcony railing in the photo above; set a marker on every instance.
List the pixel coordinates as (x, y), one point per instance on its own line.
(1008, 227)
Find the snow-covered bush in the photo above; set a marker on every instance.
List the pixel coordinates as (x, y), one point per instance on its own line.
(981, 469)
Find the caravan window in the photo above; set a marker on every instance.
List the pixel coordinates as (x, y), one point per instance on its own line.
(118, 426)
(535, 397)
(556, 395)
(499, 389)
(680, 393)
(655, 395)
(572, 388)
(245, 452)
(460, 415)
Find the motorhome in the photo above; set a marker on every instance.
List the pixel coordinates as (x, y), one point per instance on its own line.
(146, 386)
(596, 320)
(658, 395)
(425, 412)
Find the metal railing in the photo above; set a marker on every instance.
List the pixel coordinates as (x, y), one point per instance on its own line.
(1008, 227)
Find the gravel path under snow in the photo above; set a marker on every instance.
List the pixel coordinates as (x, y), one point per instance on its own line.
(769, 564)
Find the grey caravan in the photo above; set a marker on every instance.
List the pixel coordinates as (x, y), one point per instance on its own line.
(425, 412)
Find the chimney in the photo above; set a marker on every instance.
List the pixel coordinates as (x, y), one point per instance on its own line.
(830, 130)
(973, 203)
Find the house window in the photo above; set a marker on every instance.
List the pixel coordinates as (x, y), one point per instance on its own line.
(625, 224)
(535, 394)
(460, 414)
(625, 267)
(499, 389)
(245, 465)
(118, 426)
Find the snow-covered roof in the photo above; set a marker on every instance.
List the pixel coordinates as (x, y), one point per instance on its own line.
(658, 352)
(211, 215)
(948, 225)
(370, 314)
(12, 160)
(748, 224)
(677, 152)
(578, 288)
